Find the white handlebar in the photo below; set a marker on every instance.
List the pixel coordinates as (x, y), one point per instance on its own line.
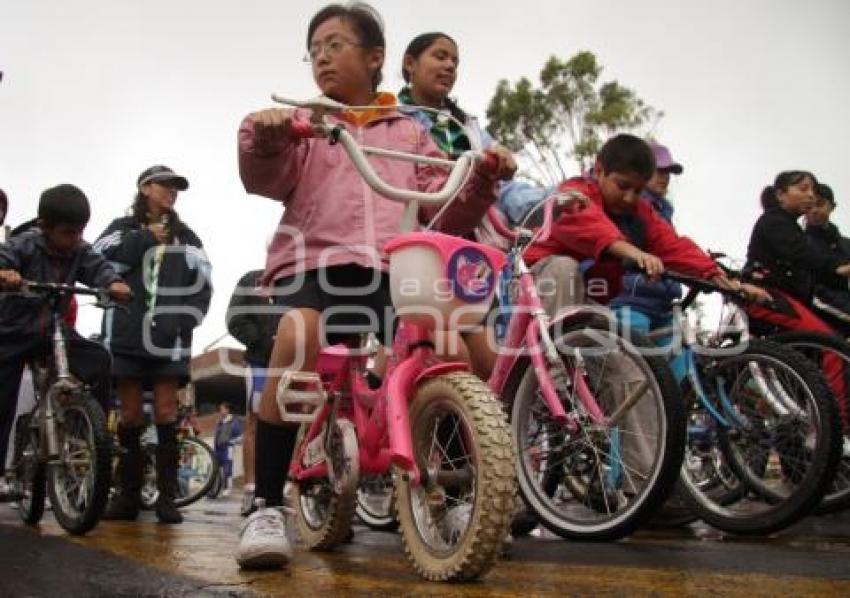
(458, 169)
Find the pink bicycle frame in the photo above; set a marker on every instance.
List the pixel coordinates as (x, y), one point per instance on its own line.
(528, 326)
(380, 416)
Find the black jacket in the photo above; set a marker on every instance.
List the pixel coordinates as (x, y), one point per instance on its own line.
(780, 255)
(24, 317)
(827, 239)
(252, 319)
(165, 308)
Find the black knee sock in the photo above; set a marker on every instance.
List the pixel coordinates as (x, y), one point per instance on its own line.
(167, 460)
(166, 434)
(274, 447)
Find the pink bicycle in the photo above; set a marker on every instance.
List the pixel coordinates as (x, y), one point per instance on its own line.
(597, 419)
(433, 426)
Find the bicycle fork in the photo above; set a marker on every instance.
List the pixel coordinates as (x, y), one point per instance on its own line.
(50, 414)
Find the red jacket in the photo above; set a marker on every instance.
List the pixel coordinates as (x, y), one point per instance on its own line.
(587, 233)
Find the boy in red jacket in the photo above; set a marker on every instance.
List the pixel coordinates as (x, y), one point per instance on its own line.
(613, 225)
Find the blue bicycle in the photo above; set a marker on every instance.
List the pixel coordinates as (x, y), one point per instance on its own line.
(764, 437)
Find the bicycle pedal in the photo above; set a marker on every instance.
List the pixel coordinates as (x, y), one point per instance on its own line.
(300, 405)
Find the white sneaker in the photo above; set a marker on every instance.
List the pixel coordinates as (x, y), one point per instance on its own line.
(263, 542)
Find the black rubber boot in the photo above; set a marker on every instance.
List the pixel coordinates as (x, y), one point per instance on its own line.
(126, 502)
(167, 462)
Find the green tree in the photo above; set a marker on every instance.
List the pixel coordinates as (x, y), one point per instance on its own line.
(566, 118)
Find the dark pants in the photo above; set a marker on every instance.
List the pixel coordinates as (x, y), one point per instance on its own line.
(88, 361)
(223, 455)
(790, 314)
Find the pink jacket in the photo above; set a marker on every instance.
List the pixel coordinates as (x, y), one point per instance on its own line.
(332, 216)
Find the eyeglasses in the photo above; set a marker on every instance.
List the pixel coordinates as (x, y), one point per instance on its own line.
(329, 48)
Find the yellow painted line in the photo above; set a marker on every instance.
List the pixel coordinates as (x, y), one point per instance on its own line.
(203, 550)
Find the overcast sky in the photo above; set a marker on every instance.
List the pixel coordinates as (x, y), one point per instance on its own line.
(96, 91)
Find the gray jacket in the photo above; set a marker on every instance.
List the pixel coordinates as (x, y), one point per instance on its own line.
(25, 316)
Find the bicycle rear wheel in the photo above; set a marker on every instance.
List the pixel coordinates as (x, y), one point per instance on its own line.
(79, 482)
(821, 349)
(781, 441)
(29, 472)
(376, 503)
(324, 508)
(601, 481)
(197, 473)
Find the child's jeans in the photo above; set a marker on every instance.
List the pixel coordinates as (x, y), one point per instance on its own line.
(559, 283)
(224, 454)
(645, 323)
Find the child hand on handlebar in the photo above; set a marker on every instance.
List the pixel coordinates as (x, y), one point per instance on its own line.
(751, 292)
(120, 292)
(10, 280)
(506, 168)
(270, 128)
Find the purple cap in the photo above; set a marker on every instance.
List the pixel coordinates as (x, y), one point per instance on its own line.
(663, 159)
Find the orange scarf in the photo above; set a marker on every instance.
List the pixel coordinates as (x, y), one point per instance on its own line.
(364, 116)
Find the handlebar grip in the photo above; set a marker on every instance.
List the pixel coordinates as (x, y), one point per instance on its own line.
(299, 129)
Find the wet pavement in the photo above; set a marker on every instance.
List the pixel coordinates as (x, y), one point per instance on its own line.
(194, 559)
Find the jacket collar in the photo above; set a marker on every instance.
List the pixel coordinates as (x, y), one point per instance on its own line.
(782, 212)
(661, 204)
(41, 243)
(827, 231)
(360, 118)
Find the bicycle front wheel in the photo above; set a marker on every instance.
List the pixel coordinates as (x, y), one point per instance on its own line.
(780, 439)
(454, 522)
(608, 475)
(79, 481)
(832, 355)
